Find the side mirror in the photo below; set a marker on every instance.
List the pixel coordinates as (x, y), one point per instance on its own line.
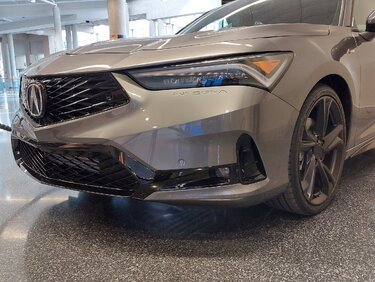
(370, 24)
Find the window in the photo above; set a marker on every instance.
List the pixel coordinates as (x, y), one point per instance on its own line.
(243, 13)
(362, 9)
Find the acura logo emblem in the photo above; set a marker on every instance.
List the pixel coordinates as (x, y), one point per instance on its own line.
(35, 101)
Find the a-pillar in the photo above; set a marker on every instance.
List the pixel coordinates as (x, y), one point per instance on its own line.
(58, 29)
(118, 19)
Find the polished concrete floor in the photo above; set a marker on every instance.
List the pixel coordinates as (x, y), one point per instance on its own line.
(50, 234)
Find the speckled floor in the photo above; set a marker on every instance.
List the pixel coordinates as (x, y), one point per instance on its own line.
(49, 234)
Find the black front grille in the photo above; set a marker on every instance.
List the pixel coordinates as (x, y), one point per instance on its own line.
(79, 169)
(71, 97)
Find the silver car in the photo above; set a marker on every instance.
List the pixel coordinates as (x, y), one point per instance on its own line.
(256, 101)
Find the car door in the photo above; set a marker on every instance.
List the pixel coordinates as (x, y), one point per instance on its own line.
(366, 54)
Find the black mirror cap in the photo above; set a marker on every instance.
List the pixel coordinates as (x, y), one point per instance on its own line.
(370, 24)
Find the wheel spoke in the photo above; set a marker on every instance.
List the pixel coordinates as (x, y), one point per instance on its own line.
(307, 145)
(308, 182)
(333, 139)
(323, 116)
(309, 135)
(311, 188)
(336, 143)
(328, 181)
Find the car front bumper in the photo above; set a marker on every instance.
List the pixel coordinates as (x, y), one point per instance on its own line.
(180, 133)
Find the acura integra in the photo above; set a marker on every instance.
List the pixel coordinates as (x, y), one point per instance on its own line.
(255, 101)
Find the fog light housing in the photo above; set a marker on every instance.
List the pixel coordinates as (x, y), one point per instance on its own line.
(197, 177)
(223, 172)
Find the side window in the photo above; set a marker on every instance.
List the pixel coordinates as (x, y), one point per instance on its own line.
(362, 9)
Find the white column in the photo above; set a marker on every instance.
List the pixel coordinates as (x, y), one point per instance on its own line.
(69, 39)
(51, 44)
(28, 51)
(46, 50)
(75, 36)
(161, 27)
(127, 19)
(12, 57)
(118, 19)
(6, 61)
(152, 28)
(58, 29)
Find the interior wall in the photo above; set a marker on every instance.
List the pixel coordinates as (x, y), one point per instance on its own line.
(157, 9)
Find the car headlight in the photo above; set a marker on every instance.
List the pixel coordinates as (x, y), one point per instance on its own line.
(262, 71)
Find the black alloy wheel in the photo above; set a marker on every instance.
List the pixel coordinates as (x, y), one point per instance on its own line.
(317, 154)
(322, 150)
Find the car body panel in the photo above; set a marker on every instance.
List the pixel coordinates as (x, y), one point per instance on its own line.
(139, 53)
(202, 38)
(336, 62)
(366, 114)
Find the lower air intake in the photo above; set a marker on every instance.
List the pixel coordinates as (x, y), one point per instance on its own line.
(251, 168)
(79, 169)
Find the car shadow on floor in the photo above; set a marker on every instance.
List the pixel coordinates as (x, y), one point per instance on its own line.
(89, 225)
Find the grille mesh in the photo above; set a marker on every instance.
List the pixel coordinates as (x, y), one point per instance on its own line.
(79, 167)
(72, 97)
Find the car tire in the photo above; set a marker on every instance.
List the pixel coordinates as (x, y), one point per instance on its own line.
(317, 154)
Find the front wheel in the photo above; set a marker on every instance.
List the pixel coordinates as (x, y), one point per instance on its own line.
(317, 154)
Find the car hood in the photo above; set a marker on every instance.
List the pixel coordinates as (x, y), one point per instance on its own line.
(127, 46)
(135, 53)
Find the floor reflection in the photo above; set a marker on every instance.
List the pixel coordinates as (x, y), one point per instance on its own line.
(164, 221)
(97, 230)
(9, 104)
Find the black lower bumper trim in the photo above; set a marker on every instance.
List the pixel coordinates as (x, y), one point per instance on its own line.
(107, 170)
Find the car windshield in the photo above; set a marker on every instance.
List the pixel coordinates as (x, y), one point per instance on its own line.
(242, 13)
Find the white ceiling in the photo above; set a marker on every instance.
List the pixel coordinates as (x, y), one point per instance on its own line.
(24, 16)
